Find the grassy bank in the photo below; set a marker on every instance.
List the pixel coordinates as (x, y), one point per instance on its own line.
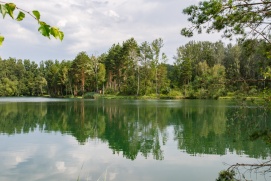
(174, 95)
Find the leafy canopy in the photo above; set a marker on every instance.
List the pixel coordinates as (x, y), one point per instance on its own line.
(248, 18)
(45, 29)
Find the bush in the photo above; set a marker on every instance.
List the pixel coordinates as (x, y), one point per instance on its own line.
(166, 91)
(109, 91)
(252, 91)
(226, 175)
(90, 95)
(218, 93)
(202, 93)
(69, 96)
(189, 92)
(175, 93)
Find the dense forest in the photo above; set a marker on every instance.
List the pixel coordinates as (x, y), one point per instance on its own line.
(200, 70)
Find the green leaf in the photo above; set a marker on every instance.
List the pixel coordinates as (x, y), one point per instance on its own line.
(36, 14)
(54, 32)
(44, 29)
(3, 10)
(20, 16)
(61, 35)
(10, 7)
(1, 40)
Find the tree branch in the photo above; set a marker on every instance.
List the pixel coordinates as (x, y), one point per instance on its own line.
(2, 2)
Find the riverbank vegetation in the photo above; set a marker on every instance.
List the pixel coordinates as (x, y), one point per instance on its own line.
(200, 70)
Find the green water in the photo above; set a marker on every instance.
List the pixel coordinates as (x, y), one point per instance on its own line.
(126, 140)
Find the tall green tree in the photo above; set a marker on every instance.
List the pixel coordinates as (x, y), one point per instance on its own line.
(253, 58)
(20, 74)
(101, 77)
(113, 65)
(185, 72)
(130, 57)
(52, 77)
(102, 71)
(64, 78)
(93, 73)
(158, 58)
(81, 67)
(192, 53)
(210, 81)
(232, 61)
(146, 56)
(31, 73)
(163, 82)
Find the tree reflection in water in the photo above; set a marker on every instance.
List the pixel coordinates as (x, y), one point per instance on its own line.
(141, 127)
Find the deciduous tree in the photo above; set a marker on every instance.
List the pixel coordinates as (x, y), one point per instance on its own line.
(81, 68)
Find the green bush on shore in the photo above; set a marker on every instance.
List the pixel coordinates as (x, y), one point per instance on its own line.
(91, 95)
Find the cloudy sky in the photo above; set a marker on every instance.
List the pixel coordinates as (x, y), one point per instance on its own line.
(93, 26)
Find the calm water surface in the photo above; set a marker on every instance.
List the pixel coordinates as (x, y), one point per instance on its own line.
(67, 139)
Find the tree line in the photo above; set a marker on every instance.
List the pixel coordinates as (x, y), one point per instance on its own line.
(200, 70)
(205, 69)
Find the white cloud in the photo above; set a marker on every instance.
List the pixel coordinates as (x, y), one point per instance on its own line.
(62, 23)
(60, 166)
(112, 175)
(112, 14)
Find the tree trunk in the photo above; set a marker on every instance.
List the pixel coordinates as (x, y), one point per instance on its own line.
(83, 83)
(137, 93)
(156, 81)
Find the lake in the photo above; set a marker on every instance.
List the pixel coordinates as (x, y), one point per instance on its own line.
(127, 140)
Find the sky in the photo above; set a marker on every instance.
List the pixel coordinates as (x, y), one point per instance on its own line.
(94, 26)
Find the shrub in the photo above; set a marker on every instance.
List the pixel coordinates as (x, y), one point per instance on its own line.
(226, 175)
(202, 93)
(252, 91)
(69, 96)
(166, 91)
(109, 91)
(175, 93)
(90, 95)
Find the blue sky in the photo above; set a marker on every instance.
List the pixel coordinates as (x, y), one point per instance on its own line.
(94, 26)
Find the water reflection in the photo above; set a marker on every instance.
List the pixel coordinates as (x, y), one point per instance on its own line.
(67, 139)
(131, 128)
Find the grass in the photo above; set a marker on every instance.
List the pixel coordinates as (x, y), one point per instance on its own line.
(173, 94)
(104, 176)
(144, 97)
(78, 178)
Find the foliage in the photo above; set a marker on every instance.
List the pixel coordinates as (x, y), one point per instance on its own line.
(90, 95)
(175, 93)
(110, 91)
(226, 175)
(210, 70)
(201, 70)
(246, 18)
(81, 67)
(45, 29)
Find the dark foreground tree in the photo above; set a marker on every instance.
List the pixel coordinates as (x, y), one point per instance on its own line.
(248, 18)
